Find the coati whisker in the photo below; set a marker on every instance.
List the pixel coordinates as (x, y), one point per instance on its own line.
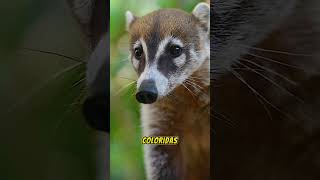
(126, 78)
(82, 4)
(120, 61)
(124, 87)
(78, 100)
(273, 82)
(193, 86)
(75, 59)
(196, 78)
(266, 109)
(282, 38)
(238, 76)
(78, 82)
(270, 71)
(69, 109)
(279, 52)
(245, 69)
(194, 82)
(223, 118)
(42, 85)
(275, 61)
(191, 92)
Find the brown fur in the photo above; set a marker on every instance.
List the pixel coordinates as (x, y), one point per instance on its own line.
(185, 111)
(173, 22)
(188, 116)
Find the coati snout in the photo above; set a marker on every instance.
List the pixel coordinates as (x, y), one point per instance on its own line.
(147, 92)
(166, 47)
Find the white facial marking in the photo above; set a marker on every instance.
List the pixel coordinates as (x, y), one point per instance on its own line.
(180, 61)
(152, 73)
(162, 46)
(145, 50)
(177, 42)
(135, 62)
(136, 44)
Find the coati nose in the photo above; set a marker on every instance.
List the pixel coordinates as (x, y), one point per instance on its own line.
(147, 92)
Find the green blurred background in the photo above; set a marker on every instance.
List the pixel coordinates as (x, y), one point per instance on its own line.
(42, 133)
(125, 144)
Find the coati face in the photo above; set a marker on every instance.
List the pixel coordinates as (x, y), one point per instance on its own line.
(166, 47)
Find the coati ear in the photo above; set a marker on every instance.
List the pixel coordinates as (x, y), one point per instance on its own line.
(92, 16)
(202, 12)
(82, 10)
(130, 18)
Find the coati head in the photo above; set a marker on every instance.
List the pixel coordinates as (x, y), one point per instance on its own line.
(166, 47)
(92, 18)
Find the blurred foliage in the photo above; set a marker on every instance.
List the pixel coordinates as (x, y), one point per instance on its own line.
(125, 139)
(42, 132)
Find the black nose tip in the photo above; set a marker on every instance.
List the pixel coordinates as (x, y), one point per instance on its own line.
(147, 92)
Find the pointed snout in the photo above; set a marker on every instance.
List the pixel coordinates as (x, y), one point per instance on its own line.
(147, 92)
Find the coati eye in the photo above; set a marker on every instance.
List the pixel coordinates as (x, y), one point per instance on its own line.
(175, 50)
(138, 51)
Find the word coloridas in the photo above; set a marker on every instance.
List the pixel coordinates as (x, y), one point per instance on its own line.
(160, 140)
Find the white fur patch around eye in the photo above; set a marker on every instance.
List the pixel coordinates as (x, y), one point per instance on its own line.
(135, 62)
(162, 46)
(180, 61)
(177, 42)
(145, 50)
(136, 44)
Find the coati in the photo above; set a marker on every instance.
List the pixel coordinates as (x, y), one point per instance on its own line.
(265, 64)
(169, 50)
(92, 17)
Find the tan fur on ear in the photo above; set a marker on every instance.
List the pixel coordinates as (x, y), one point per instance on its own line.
(129, 19)
(202, 12)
